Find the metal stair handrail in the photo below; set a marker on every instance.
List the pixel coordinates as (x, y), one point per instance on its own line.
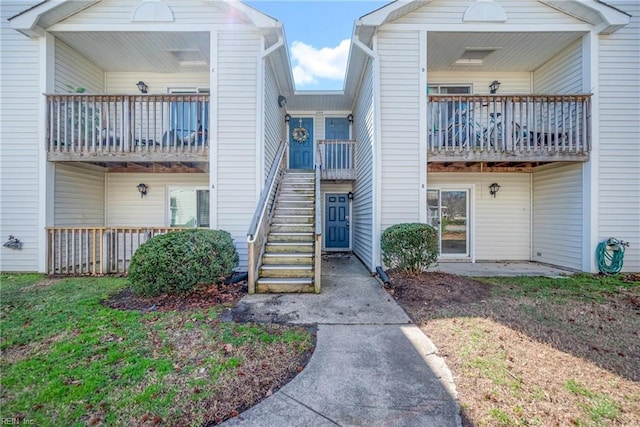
(256, 236)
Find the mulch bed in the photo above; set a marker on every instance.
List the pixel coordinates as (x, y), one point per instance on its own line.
(201, 298)
(435, 291)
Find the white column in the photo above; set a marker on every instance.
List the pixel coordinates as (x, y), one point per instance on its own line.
(591, 169)
(46, 184)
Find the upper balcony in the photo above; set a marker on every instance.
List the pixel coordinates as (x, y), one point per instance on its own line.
(336, 159)
(509, 128)
(127, 128)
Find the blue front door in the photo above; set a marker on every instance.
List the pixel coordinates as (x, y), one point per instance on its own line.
(301, 143)
(337, 221)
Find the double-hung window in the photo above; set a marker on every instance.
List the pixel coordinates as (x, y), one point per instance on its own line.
(188, 207)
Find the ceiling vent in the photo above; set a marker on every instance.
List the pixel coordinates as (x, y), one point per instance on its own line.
(188, 57)
(475, 56)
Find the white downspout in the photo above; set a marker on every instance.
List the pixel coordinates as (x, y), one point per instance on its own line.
(377, 151)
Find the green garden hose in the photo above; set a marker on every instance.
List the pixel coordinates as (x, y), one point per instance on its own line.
(610, 255)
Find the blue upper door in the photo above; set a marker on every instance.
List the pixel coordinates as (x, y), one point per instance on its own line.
(301, 143)
(337, 221)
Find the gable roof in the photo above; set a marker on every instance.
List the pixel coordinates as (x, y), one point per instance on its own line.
(35, 19)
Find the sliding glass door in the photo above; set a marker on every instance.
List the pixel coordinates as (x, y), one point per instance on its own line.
(448, 212)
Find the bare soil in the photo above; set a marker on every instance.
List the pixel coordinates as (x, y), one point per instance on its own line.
(531, 361)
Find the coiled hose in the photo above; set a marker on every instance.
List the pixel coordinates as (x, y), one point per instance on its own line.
(610, 255)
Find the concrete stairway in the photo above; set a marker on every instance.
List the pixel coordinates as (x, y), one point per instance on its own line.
(288, 260)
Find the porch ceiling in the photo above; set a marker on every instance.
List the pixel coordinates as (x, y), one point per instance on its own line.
(138, 51)
(515, 51)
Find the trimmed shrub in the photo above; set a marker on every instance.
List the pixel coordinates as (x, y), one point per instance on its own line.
(179, 261)
(410, 247)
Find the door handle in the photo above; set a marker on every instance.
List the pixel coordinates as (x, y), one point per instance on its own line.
(347, 218)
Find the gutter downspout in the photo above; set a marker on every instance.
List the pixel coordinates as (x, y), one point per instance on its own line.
(377, 155)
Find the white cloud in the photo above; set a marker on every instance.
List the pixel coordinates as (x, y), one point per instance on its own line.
(312, 64)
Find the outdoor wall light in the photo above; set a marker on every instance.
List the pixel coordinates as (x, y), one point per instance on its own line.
(282, 101)
(350, 195)
(287, 118)
(493, 189)
(350, 118)
(142, 188)
(13, 243)
(493, 87)
(142, 87)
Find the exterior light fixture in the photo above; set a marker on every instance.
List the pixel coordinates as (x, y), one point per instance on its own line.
(13, 243)
(350, 118)
(493, 87)
(142, 87)
(142, 188)
(493, 189)
(350, 195)
(282, 101)
(287, 118)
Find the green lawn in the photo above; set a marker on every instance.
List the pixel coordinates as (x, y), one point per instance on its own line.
(69, 360)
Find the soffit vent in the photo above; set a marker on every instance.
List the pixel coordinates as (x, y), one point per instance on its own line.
(475, 56)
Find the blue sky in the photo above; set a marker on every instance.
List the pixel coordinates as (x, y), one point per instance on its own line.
(318, 35)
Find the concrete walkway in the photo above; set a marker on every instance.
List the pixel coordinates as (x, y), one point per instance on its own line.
(371, 366)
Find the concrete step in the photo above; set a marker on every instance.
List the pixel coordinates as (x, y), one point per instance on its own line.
(286, 270)
(288, 247)
(292, 228)
(284, 285)
(290, 237)
(288, 258)
(293, 219)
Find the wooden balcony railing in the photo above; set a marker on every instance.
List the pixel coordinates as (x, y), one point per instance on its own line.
(336, 159)
(96, 250)
(493, 127)
(82, 125)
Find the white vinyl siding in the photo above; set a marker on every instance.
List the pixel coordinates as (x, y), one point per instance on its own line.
(21, 100)
(105, 16)
(513, 82)
(125, 206)
(274, 119)
(619, 160)
(562, 74)
(519, 13)
(501, 228)
(557, 215)
(158, 83)
(236, 145)
(74, 71)
(79, 196)
(399, 100)
(362, 206)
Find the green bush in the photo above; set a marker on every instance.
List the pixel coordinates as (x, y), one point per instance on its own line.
(178, 261)
(409, 247)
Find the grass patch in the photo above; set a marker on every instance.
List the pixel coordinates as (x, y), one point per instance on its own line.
(583, 287)
(69, 360)
(535, 351)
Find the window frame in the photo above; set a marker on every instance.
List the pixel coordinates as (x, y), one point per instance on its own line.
(195, 188)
